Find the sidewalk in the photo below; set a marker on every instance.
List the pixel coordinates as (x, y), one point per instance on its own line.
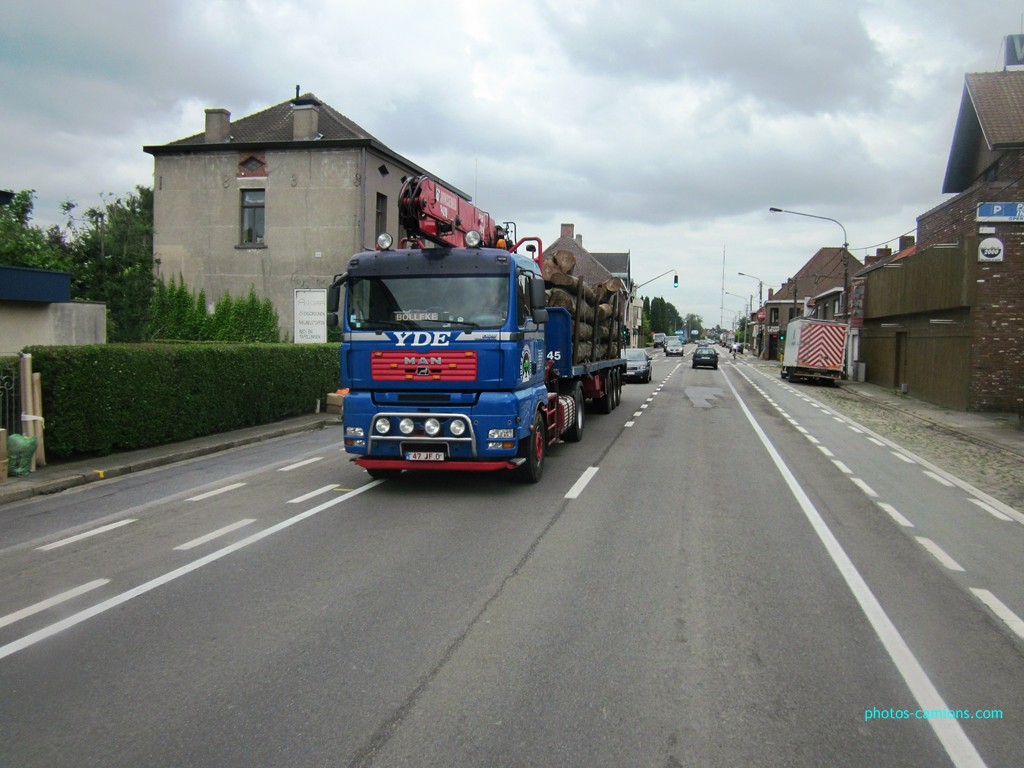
(996, 429)
(59, 476)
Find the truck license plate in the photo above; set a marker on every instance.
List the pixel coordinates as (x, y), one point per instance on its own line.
(424, 456)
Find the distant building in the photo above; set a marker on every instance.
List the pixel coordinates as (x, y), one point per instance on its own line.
(278, 200)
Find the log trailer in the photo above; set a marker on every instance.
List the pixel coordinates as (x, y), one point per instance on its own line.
(452, 357)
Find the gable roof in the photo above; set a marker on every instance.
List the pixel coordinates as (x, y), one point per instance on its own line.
(823, 271)
(274, 124)
(587, 267)
(991, 109)
(616, 263)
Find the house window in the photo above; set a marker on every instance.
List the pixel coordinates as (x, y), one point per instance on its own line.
(773, 316)
(381, 221)
(253, 216)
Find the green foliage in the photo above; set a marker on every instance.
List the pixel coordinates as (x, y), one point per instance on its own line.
(25, 245)
(113, 261)
(103, 398)
(177, 314)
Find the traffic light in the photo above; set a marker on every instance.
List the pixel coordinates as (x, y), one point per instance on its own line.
(675, 281)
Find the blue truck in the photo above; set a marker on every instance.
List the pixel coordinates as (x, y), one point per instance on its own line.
(453, 358)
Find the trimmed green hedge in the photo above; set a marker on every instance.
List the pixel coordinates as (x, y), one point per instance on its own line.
(112, 397)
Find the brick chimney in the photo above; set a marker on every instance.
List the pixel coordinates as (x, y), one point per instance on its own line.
(305, 120)
(771, 293)
(579, 240)
(567, 231)
(906, 241)
(218, 126)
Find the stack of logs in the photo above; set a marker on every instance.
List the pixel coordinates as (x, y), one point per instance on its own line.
(596, 309)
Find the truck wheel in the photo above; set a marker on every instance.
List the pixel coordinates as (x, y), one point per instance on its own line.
(618, 387)
(532, 448)
(783, 374)
(575, 431)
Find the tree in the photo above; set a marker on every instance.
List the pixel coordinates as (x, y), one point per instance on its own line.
(25, 245)
(113, 261)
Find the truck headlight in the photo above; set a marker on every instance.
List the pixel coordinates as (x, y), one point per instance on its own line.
(432, 427)
(406, 426)
(382, 426)
(501, 434)
(457, 427)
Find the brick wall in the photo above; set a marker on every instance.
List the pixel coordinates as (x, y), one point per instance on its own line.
(997, 303)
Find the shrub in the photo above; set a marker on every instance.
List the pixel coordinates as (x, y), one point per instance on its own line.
(103, 398)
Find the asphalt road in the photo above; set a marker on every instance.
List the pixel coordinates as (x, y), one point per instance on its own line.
(714, 576)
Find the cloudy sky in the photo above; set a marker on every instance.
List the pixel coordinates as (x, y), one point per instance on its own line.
(665, 128)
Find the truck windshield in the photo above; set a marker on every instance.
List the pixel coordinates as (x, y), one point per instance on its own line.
(471, 301)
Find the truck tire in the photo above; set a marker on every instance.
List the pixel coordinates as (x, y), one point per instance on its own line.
(533, 448)
(575, 431)
(618, 388)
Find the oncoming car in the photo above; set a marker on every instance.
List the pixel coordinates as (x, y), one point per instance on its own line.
(673, 346)
(705, 356)
(638, 365)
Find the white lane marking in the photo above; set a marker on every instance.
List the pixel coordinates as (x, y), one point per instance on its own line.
(939, 554)
(31, 639)
(86, 535)
(991, 510)
(52, 601)
(949, 732)
(842, 467)
(864, 487)
(629, 423)
(1013, 621)
(290, 467)
(813, 439)
(312, 494)
(876, 441)
(854, 429)
(580, 484)
(216, 492)
(216, 534)
(638, 413)
(826, 451)
(895, 515)
(903, 458)
(939, 478)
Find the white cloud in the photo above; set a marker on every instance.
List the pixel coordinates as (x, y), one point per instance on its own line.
(665, 129)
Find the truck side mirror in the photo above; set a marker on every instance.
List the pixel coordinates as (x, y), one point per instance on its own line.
(538, 301)
(334, 299)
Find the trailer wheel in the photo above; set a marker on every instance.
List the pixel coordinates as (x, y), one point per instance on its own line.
(575, 432)
(532, 448)
(617, 388)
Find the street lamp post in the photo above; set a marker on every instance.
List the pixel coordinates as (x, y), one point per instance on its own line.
(746, 324)
(846, 265)
(760, 305)
(632, 296)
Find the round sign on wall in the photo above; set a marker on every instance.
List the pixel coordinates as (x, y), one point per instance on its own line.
(990, 249)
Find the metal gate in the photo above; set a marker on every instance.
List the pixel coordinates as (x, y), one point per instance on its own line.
(10, 399)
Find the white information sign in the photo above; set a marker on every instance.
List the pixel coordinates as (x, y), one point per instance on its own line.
(310, 315)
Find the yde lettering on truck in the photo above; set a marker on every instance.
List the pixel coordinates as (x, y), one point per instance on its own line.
(452, 358)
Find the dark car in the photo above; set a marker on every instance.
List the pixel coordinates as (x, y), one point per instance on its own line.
(705, 356)
(638, 365)
(673, 346)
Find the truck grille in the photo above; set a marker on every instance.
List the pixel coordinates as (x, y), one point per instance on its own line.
(444, 365)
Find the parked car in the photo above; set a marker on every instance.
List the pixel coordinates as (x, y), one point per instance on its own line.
(673, 346)
(705, 356)
(638, 365)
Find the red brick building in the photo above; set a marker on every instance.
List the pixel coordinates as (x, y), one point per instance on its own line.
(945, 321)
